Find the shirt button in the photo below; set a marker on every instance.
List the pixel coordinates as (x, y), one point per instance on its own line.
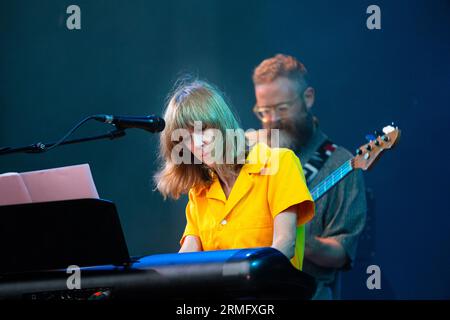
(223, 222)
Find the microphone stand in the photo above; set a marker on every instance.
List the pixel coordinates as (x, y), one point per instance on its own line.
(42, 147)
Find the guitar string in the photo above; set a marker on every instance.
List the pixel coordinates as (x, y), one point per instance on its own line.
(334, 177)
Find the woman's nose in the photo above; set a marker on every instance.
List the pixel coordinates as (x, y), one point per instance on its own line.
(198, 139)
(211, 135)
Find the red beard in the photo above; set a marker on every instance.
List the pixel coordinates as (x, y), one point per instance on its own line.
(293, 133)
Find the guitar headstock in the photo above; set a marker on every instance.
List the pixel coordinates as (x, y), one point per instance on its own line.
(367, 154)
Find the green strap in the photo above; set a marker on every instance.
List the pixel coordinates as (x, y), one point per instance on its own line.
(297, 260)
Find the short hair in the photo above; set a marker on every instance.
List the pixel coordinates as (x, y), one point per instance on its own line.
(281, 66)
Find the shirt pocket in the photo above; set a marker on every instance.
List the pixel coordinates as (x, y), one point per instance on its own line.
(253, 237)
(254, 219)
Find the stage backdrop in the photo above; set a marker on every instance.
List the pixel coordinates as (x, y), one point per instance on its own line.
(128, 54)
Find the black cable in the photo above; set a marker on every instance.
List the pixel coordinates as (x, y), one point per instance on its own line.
(68, 134)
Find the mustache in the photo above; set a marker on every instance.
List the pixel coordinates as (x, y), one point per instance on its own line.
(293, 133)
(287, 126)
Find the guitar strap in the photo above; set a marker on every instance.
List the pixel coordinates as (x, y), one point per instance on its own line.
(311, 169)
(318, 159)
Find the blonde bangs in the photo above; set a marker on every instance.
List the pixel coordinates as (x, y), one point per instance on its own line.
(198, 104)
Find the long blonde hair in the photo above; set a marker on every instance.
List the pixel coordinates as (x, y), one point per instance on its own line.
(194, 101)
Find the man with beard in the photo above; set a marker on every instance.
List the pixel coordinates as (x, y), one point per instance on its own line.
(284, 100)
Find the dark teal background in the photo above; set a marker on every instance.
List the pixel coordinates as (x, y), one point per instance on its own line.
(128, 54)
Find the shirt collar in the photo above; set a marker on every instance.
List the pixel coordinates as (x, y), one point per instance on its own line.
(256, 161)
(257, 158)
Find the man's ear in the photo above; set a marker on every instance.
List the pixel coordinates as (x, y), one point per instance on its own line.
(309, 96)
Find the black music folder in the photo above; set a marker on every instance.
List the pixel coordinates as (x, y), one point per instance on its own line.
(57, 234)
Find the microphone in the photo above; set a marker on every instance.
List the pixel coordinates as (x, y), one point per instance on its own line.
(150, 123)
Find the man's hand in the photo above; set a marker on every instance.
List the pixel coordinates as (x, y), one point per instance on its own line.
(326, 252)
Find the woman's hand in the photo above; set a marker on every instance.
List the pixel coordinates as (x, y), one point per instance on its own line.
(191, 244)
(285, 231)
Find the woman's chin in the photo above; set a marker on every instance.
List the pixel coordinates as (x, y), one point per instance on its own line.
(209, 161)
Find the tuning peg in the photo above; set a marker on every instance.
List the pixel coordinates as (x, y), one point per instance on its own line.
(359, 152)
(377, 143)
(370, 137)
(368, 147)
(385, 138)
(388, 129)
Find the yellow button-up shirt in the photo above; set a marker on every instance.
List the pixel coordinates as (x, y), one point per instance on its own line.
(270, 182)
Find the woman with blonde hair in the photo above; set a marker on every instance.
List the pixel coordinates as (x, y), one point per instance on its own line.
(238, 197)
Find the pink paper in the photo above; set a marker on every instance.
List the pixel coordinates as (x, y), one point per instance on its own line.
(72, 182)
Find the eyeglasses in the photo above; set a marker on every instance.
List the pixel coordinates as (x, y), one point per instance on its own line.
(282, 108)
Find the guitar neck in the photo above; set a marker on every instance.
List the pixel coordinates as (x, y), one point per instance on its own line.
(333, 179)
